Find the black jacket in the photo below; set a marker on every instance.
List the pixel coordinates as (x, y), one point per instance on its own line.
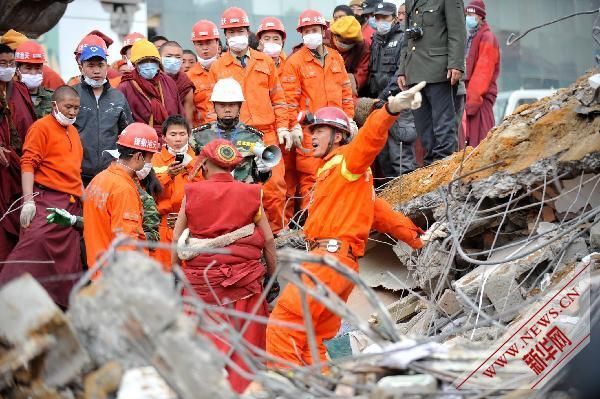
(99, 124)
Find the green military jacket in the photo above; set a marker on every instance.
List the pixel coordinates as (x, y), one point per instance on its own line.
(442, 46)
(42, 102)
(243, 136)
(151, 216)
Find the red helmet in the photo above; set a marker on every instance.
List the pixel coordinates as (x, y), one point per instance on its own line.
(91, 40)
(204, 30)
(331, 116)
(309, 18)
(129, 40)
(271, 23)
(234, 17)
(30, 52)
(139, 136)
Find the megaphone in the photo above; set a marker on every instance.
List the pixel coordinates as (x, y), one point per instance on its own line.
(270, 155)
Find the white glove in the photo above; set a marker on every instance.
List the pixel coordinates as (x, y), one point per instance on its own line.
(27, 213)
(285, 136)
(353, 129)
(261, 166)
(437, 230)
(409, 99)
(297, 135)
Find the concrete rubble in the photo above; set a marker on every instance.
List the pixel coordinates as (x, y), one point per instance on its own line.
(521, 212)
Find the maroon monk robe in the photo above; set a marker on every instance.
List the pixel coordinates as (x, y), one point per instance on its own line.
(151, 101)
(16, 116)
(235, 280)
(184, 84)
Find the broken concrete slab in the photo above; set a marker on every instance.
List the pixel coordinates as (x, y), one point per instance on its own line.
(27, 311)
(448, 303)
(398, 386)
(376, 265)
(503, 291)
(400, 310)
(595, 234)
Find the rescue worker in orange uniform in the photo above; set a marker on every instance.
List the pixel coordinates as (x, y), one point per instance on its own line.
(113, 205)
(271, 39)
(205, 37)
(50, 178)
(313, 77)
(265, 106)
(342, 210)
(173, 166)
(235, 279)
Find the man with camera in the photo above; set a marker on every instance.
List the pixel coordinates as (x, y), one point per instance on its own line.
(434, 51)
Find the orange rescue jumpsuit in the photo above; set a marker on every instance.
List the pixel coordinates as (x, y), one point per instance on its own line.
(202, 89)
(308, 86)
(343, 207)
(112, 206)
(170, 199)
(264, 109)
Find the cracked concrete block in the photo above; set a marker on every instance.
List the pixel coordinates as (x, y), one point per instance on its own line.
(575, 252)
(27, 311)
(399, 310)
(448, 302)
(503, 291)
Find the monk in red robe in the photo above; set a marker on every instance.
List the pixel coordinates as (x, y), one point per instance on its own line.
(16, 116)
(172, 58)
(234, 280)
(151, 94)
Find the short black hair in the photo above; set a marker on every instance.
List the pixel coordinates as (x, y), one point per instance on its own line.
(156, 38)
(344, 8)
(170, 43)
(253, 40)
(176, 120)
(190, 52)
(5, 49)
(64, 91)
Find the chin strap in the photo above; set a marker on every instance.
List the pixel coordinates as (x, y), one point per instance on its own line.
(331, 140)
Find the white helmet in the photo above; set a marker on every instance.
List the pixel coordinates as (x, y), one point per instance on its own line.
(227, 90)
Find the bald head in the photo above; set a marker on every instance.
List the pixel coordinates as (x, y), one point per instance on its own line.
(64, 92)
(169, 47)
(65, 99)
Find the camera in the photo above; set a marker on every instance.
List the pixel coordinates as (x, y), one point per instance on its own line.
(414, 33)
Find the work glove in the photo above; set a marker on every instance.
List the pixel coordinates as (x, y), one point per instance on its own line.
(27, 213)
(261, 167)
(436, 231)
(353, 129)
(285, 136)
(409, 99)
(297, 135)
(60, 217)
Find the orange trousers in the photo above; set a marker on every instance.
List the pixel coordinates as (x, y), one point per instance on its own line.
(292, 345)
(300, 177)
(274, 190)
(166, 237)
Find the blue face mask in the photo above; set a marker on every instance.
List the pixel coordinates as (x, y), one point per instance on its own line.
(471, 22)
(372, 22)
(148, 70)
(172, 65)
(383, 27)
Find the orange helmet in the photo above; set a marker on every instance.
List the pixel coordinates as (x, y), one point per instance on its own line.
(331, 116)
(129, 40)
(139, 136)
(90, 40)
(309, 18)
(204, 30)
(234, 17)
(271, 23)
(30, 52)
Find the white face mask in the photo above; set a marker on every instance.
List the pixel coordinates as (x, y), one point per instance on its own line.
(343, 46)
(313, 40)
(272, 49)
(63, 120)
(94, 83)
(145, 171)
(172, 65)
(32, 81)
(207, 63)
(6, 74)
(238, 43)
